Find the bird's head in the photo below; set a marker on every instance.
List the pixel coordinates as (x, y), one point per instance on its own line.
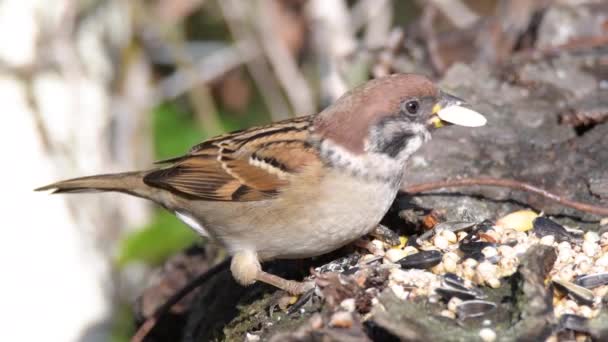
(393, 116)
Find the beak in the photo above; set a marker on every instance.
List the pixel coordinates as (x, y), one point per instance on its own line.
(451, 110)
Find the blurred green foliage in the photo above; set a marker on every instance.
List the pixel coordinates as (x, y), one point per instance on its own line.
(174, 131)
(162, 237)
(123, 326)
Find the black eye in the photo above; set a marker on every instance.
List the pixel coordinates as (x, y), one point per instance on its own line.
(412, 106)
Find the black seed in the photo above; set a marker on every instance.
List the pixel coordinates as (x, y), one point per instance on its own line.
(591, 281)
(471, 247)
(574, 323)
(474, 308)
(453, 281)
(483, 226)
(453, 286)
(340, 265)
(452, 278)
(421, 260)
(475, 256)
(544, 226)
(577, 293)
(413, 241)
(447, 293)
(351, 270)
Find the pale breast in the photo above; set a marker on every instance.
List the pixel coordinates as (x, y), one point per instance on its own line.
(345, 209)
(304, 221)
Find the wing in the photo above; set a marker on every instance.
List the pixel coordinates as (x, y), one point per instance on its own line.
(249, 165)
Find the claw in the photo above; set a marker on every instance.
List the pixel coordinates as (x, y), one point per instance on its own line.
(281, 299)
(304, 298)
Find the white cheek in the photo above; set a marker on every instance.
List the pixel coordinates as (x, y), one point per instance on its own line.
(422, 136)
(369, 164)
(412, 146)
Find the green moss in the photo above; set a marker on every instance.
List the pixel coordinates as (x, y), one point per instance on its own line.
(123, 326)
(256, 317)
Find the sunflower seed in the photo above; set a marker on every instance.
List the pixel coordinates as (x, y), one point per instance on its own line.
(574, 323)
(544, 227)
(447, 293)
(462, 116)
(474, 309)
(422, 260)
(591, 281)
(577, 293)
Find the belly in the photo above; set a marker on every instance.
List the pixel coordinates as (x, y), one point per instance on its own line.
(301, 223)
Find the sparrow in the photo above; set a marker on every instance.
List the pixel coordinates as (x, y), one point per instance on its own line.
(296, 188)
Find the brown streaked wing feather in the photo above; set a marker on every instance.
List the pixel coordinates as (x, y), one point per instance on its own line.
(287, 156)
(250, 165)
(251, 135)
(195, 177)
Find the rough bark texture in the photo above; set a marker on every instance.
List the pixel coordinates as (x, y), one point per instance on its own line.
(524, 139)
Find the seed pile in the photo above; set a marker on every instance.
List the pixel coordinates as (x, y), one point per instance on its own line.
(454, 261)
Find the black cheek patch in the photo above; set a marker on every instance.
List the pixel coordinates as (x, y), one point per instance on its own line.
(396, 143)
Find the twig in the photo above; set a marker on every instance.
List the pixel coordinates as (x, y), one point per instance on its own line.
(205, 109)
(200, 96)
(584, 117)
(333, 41)
(430, 38)
(574, 45)
(236, 20)
(377, 17)
(506, 183)
(151, 322)
(205, 70)
(198, 92)
(457, 12)
(283, 62)
(502, 33)
(379, 26)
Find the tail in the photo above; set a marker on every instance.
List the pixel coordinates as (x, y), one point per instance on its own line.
(129, 182)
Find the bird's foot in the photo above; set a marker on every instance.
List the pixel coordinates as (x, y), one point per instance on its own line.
(290, 303)
(289, 286)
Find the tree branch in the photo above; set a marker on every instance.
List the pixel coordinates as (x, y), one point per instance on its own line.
(506, 183)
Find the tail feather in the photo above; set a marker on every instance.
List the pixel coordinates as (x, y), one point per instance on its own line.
(127, 182)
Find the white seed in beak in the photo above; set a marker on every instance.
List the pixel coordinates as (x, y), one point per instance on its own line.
(462, 116)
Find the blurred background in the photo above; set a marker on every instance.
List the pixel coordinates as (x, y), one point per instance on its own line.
(98, 86)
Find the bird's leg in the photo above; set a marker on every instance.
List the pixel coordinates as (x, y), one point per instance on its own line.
(290, 286)
(246, 269)
(385, 234)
